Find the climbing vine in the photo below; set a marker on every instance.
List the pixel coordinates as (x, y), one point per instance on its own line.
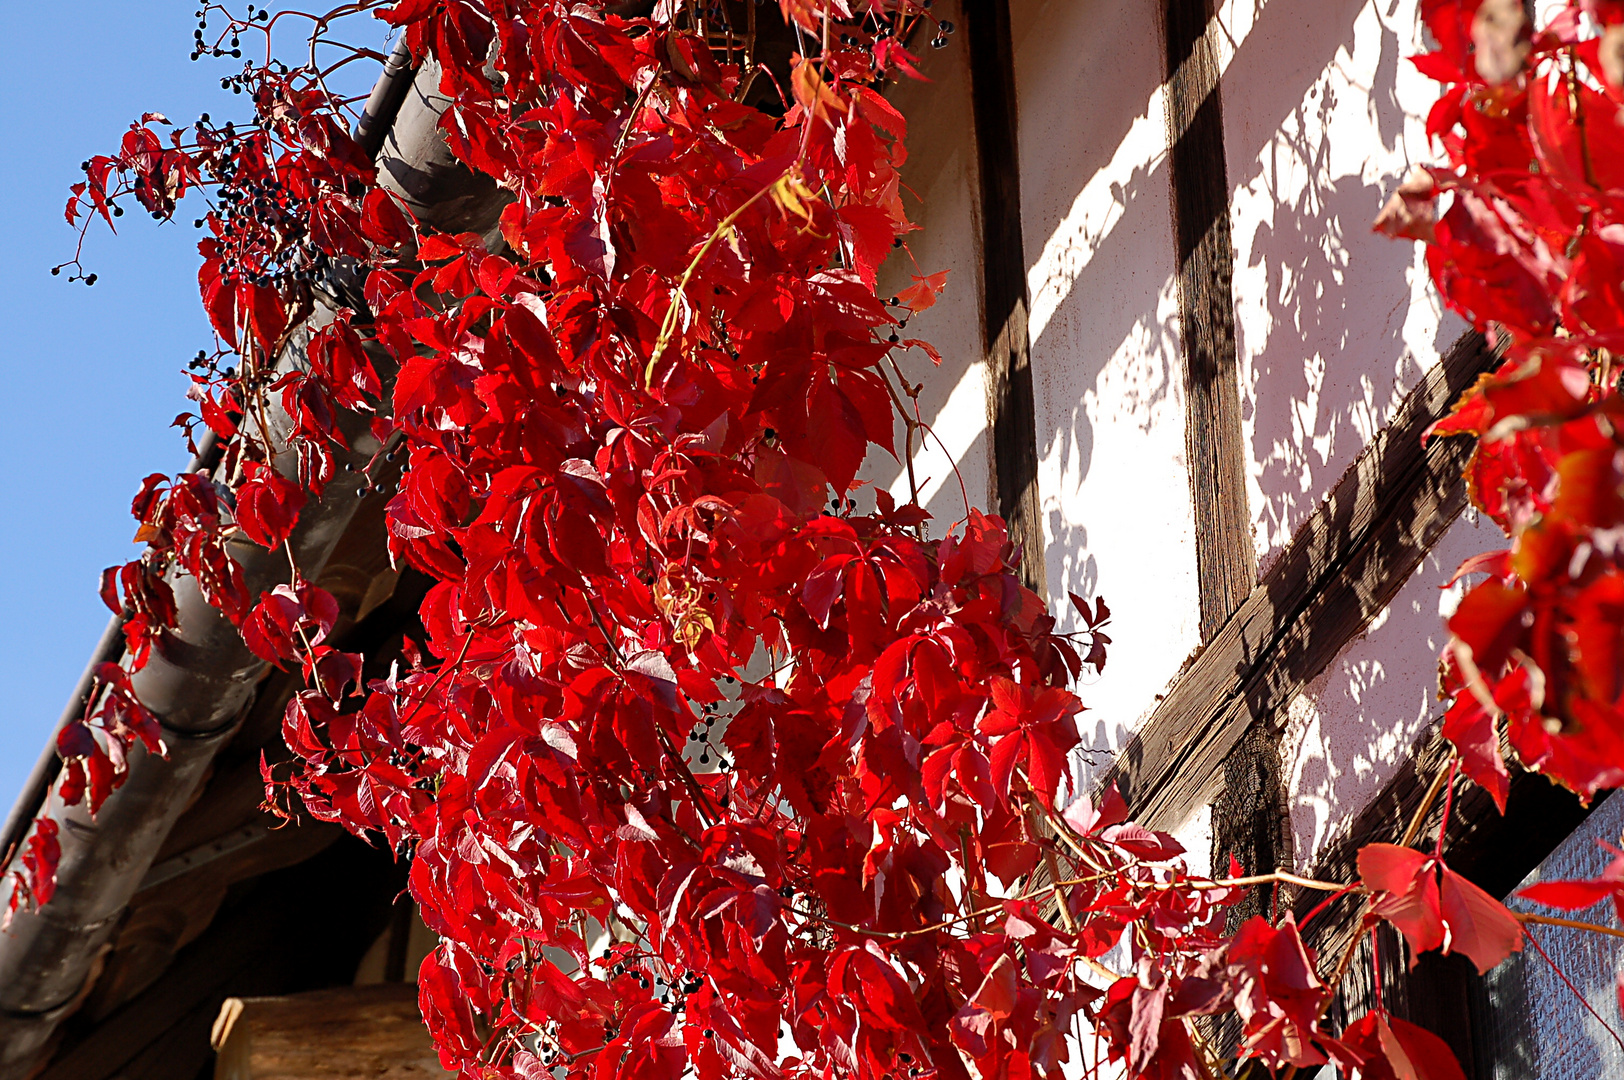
(711, 761)
(1529, 246)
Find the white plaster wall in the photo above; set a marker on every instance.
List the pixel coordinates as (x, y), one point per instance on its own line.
(1350, 730)
(1112, 477)
(1323, 117)
(940, 196)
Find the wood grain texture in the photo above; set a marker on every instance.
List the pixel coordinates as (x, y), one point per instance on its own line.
(1343, 566)
(1226, 566)
(293, 930)
(1011, 413)
(345, 1033)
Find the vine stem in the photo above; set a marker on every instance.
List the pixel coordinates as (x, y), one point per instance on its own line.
(1449, 802)
(1571, 924)
(673, 312)
(439, 676)
(1420, 815)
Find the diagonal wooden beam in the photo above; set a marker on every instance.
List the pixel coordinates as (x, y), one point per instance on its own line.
(1340, 570)
(1011, 413)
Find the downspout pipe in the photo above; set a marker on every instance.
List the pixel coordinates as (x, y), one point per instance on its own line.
(383, 104)
(199, 679)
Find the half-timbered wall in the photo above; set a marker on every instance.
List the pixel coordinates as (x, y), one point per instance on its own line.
(1114, 482)
(1195, 191)
(1323, 117)
(1100, 262)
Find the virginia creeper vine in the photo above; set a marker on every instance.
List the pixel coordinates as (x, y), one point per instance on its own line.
(702, 770)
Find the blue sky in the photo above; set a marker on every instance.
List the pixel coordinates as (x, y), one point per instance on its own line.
(92, 376)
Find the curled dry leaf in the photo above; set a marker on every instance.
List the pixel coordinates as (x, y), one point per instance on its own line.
(1411, 211)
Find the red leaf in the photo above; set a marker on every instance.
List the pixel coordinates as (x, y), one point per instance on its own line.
(109, 590)
(1472, 729)
(876, 990)
(1394, 1049)
(1412, 903)
(922, 294)
(1478, 924)
(999, 990)
(1569, 895)
(268, 505)
(36, 877)
(1438, 66)
(1488, 620)
(823, 587)
(384, 221)
(1141, 842)
(1082, 816)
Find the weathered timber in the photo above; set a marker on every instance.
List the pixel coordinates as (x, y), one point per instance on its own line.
(1340, 570)
(348, 1033)
(1011, 413)
(279, 937)
(1249, 820)
(1226, 566)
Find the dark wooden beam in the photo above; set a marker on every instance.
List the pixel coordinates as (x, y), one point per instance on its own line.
(1251, 815)
(296, 929)
(1226, 566)
(1249, 819)
(1011, 414)
(1340, 570)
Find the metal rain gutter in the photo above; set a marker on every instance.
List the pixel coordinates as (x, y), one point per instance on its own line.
(200, 679)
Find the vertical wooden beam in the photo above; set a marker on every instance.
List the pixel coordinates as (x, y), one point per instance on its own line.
(1249, 818)
(1011, 414)
(1343, 566)
(1251, 815)
(1225, 564)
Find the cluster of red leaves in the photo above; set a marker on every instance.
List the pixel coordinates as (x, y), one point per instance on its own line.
(1531, 249)
(288, 200)
(701, 772)
(1436, 908)
(34, 883)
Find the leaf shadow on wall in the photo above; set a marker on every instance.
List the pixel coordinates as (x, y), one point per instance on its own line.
(1322, 300)
(1107, 341)
(1327, 354)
